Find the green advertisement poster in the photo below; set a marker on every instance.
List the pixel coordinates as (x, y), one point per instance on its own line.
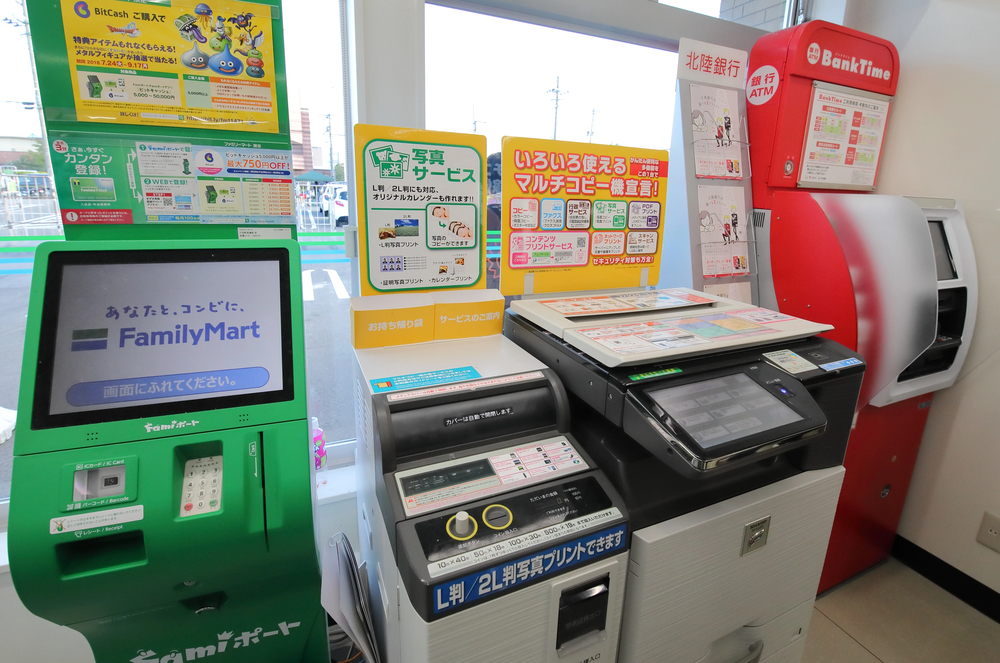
(170, 180)
(166, 111)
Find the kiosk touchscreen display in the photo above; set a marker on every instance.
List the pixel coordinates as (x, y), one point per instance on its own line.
(135, 333)
(723, 409)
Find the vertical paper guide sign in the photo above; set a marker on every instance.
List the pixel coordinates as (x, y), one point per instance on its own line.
(722, 220)
(179, 63)
(421, 221)
(711, 63)
(580, 216)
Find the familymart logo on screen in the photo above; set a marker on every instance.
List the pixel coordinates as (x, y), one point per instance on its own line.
(89, 339)
(182, 334)
(97, 339)
(121, 390)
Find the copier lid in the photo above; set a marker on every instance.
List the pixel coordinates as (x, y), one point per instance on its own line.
(632, 327)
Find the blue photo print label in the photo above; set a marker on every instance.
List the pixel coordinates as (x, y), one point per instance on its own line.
(483, 584)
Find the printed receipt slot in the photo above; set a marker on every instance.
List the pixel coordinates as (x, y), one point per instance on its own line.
(161, 502)
(728, 460)
(486, 534)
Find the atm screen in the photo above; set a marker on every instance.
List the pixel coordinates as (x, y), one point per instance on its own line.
(942, 252)
(723, 409)
(130, 334)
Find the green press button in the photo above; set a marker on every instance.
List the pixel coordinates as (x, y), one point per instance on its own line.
(213, 503)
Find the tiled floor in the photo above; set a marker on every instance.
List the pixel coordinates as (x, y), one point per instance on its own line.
(891, 614)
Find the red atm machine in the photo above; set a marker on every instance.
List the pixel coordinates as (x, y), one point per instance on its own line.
(896, 276)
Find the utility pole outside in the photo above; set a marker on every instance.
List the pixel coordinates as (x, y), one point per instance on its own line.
(475, 123)
(590, 134)
(329, 129)
(558, 93)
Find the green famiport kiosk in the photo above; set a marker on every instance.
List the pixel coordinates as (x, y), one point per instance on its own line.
(161, 500)
(162, 489)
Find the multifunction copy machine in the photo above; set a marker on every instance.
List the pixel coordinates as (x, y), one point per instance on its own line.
(723, 426)
(486, 533)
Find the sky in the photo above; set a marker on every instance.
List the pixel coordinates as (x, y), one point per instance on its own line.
(17, 84)
(624, 91)
(494, 70)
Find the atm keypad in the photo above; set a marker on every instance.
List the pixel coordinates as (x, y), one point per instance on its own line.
(201, 487)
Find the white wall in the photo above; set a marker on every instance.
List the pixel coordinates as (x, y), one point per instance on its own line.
(25, 638)
(943, 140)
(764, 14)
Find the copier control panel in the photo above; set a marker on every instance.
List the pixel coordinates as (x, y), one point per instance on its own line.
(443, 484)
(477, 506)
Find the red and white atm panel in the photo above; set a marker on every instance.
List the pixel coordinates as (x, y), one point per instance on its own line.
(895, 276)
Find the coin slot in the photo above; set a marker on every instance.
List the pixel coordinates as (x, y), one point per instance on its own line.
(497, 516)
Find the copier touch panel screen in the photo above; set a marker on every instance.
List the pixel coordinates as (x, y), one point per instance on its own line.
(724, 409)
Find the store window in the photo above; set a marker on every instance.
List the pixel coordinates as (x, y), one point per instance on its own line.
(29, 216)
(541, 82)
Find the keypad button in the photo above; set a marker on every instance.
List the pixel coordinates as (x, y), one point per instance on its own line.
(188, 506)
(213, 503)
(201, 505)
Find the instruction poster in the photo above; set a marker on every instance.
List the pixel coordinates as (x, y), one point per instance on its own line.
(715, 122)
(580, 216)
(119, 180)
(423, 224)
(178, 63)
(843, 140)
(724, 236)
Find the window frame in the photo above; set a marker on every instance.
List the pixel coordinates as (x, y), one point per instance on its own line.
(385, 84)
(640, 22)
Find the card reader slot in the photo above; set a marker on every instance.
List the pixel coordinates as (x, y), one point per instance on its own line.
(439, 427)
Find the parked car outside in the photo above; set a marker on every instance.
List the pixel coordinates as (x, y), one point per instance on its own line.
(337, 195)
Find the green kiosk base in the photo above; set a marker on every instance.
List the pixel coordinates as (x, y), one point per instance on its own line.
(162, 494)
